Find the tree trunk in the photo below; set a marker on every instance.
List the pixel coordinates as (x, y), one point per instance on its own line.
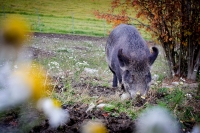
(196, 67)
(178, 72)
(167, 56)
(189, 65)
(190, 48)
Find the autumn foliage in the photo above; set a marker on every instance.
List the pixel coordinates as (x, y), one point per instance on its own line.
(174, 23)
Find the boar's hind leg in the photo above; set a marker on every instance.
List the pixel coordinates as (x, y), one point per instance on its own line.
(114, 78)
(122, 87)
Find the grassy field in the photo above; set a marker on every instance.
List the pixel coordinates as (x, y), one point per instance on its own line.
(60, 16)
(70, 59)
(66, 17)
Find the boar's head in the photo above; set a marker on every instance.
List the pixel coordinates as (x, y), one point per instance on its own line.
(135, 67)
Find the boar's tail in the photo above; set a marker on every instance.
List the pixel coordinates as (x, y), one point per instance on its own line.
(154, 55)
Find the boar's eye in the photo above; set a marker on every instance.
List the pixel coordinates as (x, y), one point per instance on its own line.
(131, 78)
(128, 77)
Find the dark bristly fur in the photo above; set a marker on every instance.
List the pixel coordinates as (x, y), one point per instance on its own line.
(129, 59)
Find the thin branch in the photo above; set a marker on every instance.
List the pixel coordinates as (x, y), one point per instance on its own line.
(148, 26)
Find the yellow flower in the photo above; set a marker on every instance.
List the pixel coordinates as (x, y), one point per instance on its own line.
(94, 127)
(56, 103)
(36, 80)
(15, 31)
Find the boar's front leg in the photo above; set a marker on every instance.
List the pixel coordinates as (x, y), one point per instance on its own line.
(114, 78)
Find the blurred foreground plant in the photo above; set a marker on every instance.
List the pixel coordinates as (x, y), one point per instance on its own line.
(15, 31)
(22, 81)
(35, 78)
(94, 127)
(157, 120)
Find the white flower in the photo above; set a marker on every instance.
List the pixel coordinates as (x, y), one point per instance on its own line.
(56, 115)
(54, 64)
(82, 64)
(196, 129)
(156, 120)
(188, 96)
(14, 90)
(155, 77)
(91, 71)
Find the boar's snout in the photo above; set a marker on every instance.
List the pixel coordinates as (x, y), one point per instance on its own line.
(136, 84)
(141, 91)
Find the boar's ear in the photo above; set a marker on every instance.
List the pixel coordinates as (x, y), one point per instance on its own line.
(123, 59)
(153, 56)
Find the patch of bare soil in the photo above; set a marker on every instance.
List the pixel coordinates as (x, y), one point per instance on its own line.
(9, 122)
(70, 37)
(36, 53)
(96, 90)
(114, 124)
(92, 90)
(177, 79)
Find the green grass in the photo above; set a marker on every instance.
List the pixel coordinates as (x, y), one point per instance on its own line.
(58, 8)
(75, 55)
(65, 17)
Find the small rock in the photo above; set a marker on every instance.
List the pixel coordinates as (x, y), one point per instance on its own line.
(125, 96)
(101, 105)
(175, 83)
(91, 107)
(182, 79)
(181, 83)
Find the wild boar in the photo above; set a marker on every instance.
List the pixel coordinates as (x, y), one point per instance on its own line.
(130, 59)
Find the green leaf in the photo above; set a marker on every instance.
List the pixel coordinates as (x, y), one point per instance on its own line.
(109, 107)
